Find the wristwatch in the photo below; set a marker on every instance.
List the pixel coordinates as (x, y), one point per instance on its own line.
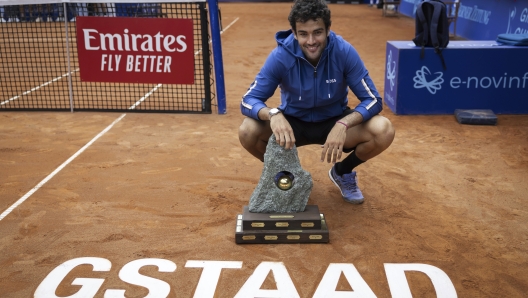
(274, 112)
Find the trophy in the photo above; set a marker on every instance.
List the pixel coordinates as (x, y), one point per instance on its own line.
(278, 210)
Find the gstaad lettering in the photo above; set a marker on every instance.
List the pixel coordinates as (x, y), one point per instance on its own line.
(126, 42)
(504, 82)
(211, 271)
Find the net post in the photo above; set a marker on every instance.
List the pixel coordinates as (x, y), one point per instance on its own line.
(217, 55)
(206, 59)
(68, 56)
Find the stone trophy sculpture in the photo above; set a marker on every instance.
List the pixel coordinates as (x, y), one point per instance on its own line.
(278, 210)
(284, 186)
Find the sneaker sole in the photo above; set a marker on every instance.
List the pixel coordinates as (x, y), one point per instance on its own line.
(356, 202)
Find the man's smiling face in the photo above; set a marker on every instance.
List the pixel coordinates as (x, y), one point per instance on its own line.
(311, 36)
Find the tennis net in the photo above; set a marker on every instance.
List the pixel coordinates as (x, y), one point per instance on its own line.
(105, 57)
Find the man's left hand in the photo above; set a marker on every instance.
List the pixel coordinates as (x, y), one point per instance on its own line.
(333, 147)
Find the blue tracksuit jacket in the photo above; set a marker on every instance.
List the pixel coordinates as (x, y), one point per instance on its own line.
(312, 94)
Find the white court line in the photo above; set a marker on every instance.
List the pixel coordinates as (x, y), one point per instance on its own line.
(229, 25)
(144, 97)
(234, 21)
(29, 193)
(159, 85)
(36, 88)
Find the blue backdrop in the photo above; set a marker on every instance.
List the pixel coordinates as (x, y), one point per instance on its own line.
(479, 75)
(484, 19)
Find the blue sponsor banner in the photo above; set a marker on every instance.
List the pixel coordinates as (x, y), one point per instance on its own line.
(483, 19)
(479, 75)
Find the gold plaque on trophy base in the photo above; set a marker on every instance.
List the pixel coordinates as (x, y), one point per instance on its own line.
(308, 219)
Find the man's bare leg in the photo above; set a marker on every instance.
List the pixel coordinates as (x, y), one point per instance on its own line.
(254, 136)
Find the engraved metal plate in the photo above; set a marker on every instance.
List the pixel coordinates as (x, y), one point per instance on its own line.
(270, 220)
(258, 228)
(281, 216)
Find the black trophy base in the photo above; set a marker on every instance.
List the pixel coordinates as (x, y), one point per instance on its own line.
(259, 236)
(310, 218)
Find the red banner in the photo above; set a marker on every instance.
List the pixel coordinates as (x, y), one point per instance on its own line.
(136, 50)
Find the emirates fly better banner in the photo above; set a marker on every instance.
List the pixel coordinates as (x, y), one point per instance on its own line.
(136, 50)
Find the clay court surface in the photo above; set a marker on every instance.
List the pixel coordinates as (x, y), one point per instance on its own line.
(169, 186)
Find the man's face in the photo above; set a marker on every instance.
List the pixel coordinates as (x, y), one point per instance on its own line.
(312, 39)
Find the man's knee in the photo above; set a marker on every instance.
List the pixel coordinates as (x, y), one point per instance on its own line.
(244, 132)
(382, 128)
(250, 130)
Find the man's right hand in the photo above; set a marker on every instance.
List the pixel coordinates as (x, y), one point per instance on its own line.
(282, 130)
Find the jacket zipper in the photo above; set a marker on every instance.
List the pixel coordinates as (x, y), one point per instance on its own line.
(315, 83)
(315, 88)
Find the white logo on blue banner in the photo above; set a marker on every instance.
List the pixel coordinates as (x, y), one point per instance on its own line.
(511, 16)
(391, 70)
(474, 14)
(420, 80)
(520, 22)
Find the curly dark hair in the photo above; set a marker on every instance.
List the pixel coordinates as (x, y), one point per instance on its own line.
(305, 10)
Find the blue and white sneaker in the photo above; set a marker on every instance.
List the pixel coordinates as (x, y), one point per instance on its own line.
(348, 186)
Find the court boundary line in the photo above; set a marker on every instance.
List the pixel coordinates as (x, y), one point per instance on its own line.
(145, 97)
(227, 27)
(64, 164)
(38, 87)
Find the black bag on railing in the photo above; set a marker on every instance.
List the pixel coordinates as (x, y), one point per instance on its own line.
(432, 27)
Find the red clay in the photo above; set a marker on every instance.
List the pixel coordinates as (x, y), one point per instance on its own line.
(169, 186)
